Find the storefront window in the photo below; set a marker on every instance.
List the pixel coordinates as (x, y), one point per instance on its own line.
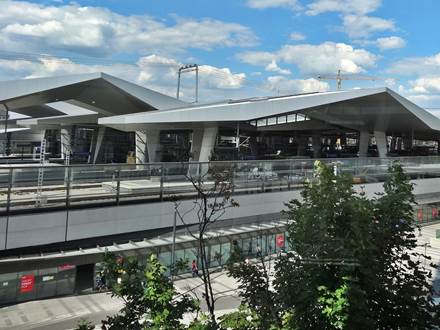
(8, 287)
(226, 252)
(66, 279)
(215, 255)
(46, 282)
(26, 285)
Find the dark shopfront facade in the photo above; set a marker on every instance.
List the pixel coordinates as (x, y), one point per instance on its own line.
(37, 284)
(68, 279)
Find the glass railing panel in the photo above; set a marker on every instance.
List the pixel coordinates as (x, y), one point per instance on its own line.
(176, 179)
(92, 184)
(37, 187)
(113, 183)
(5, 174)
(139, 182)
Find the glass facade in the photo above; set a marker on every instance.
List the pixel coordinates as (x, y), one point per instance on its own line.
(37, 284)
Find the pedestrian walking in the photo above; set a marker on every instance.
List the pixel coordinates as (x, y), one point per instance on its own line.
(194, 269)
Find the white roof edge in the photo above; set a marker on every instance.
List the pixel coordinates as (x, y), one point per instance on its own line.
(199, 113)
(428, 118)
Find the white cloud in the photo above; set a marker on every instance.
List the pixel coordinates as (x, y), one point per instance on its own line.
(26, 26)
(222, 78)
(263, 4)
(426, 85)
(420, 66)
(273, 67)
(390, 43)
(283, 85)
(356, 26)
(327, 57)
(156, 72)
(297, 36)
(359, 7)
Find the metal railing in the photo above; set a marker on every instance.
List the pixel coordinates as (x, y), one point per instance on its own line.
(85, 185)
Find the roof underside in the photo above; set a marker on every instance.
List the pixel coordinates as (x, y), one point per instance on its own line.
(367, 109)
(101, 93)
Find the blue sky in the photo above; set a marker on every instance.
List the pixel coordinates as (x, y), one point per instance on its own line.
(244, 47)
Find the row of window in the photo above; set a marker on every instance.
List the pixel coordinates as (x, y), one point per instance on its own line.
(37, 284)
(218, 251)
(292, 118)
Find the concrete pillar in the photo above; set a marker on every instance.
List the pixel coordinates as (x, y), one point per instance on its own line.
(196, 144)
(204, 143)
(147, 146)
(316, 144)
(364, 141)
(153, 145)
(98, 145)
(66, 141)
(381, 143)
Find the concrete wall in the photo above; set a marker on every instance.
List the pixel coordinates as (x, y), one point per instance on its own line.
(45, 228)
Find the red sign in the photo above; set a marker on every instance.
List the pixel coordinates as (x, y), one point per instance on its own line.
(280, 240)
(434, 212)
(27, 283)
(420, 214)
(65, 267)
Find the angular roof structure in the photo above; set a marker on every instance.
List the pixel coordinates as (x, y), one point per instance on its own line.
(98, 92)
(360, 109)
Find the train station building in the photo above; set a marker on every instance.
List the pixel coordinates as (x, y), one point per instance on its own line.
(98, 118)
(92, 163)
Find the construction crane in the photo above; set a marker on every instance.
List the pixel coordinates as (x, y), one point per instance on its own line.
(339, 77)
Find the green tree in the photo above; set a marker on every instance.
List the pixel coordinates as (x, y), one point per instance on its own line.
(397, 284)
(150, 300)
(214, 191)
(255, 290)
(353, 263)
(84, 324)
(328, 232)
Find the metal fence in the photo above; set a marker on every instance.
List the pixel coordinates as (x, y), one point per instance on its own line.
(24, 188)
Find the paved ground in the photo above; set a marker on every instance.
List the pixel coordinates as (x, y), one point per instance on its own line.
(64, 312)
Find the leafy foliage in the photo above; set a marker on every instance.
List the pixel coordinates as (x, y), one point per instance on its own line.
(149, 297)
(214, 196)
(335, 305)
(254, 289)
(394, 277)
(353, 263)
(84, 324)
(242, 319)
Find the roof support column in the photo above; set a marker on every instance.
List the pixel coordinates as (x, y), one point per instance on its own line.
(153, 145)
(381, 143)
(147, 146)
(364, 141)
(99, 140)
(66, 142)
(196, 143)
(204, 143)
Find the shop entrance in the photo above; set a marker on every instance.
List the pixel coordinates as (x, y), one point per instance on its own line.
(84, 278)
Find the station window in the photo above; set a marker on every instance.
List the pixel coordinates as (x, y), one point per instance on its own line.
(281, 119)
(291, 118)
(272, 121)
(300, 117)
(262, 122)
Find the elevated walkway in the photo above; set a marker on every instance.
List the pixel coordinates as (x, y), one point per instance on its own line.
(79, 203)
